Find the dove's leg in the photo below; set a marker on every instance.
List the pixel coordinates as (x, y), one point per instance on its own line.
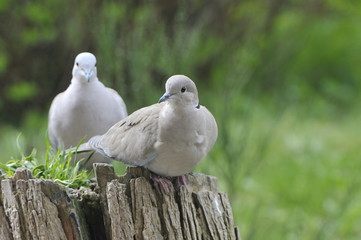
(182, 181)
(162, 182)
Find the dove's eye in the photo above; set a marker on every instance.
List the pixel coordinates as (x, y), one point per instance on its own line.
(77, 64)
(183, 89)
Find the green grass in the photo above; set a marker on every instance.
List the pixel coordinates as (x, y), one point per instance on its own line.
(290, 174)
(56, 166)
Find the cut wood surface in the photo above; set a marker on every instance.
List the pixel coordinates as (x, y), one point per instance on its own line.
(118, 207)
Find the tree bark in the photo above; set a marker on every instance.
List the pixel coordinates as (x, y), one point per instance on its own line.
(116, 207)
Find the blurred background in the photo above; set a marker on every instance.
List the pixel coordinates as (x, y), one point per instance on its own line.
(282, 78)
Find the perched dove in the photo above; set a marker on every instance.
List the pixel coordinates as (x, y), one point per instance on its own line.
(85, 109)
(168, 138)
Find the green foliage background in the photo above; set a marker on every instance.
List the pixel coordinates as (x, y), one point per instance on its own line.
(281, 77)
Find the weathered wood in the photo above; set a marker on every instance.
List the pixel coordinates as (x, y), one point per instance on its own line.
(104, 173)
(122, 226)
(145, 212)
(120, 207)
(39, 209)
(171, 216)
(5, 231)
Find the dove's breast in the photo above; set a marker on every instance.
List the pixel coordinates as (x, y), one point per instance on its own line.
(86, 111)
(181, 142)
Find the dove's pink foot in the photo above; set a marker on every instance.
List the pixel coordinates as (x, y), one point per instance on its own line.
(182, 181)
(162, 182)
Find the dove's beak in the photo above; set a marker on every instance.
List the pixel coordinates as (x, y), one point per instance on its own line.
(88, 74)
(165, 97)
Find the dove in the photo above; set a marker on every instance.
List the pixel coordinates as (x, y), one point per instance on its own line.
(85, 109)
(169, 138)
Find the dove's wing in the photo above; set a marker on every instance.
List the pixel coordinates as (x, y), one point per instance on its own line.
(53, 123)
(132, 139)
(211, 128)
(120, 102)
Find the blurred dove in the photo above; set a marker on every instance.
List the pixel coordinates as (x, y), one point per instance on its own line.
(168, 138)
(85, 109)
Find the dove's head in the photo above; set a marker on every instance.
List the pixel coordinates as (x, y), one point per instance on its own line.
(85, 67)
(180, 89)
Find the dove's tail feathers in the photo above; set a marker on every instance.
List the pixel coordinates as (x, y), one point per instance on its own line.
(82, 148)
(85, 147)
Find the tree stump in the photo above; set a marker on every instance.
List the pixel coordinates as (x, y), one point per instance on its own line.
(116, 207)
